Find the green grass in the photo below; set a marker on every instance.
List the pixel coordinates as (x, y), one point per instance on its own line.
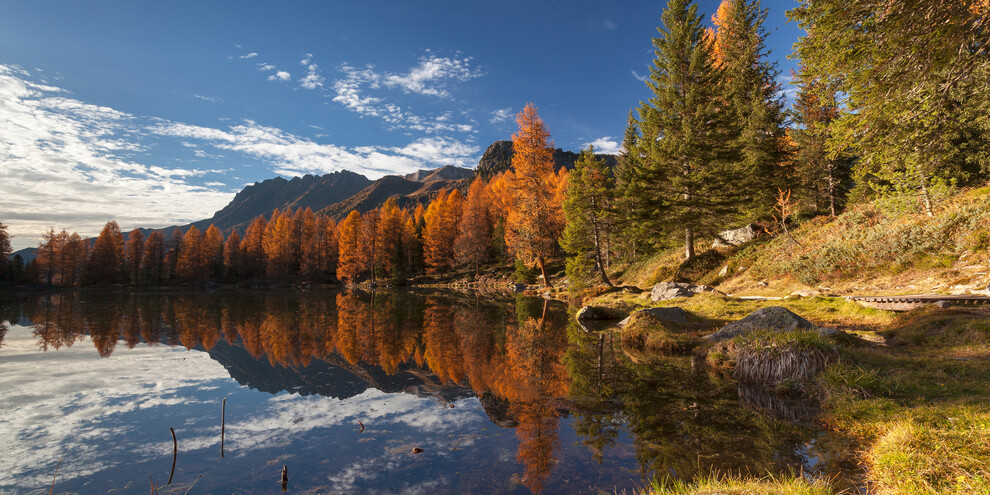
(727, 485)
(645, 333)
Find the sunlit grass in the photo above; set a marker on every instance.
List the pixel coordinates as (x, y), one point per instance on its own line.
(727, 485)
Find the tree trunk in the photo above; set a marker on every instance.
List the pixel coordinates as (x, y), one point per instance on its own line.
(926, 197)
(543, 268)
(688, 244)
(599, 258)
(831, 188)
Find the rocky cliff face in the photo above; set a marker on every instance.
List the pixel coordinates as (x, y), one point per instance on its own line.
(498, 158)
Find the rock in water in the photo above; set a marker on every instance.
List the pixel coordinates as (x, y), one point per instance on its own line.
(771, 318)
(597, 313)
(671, 290)
(735, 237)
(676, 316)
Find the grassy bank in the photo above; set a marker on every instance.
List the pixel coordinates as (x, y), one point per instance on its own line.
(910, 394)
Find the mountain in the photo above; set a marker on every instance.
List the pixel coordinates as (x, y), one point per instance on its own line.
(498, 157)
(261, 198)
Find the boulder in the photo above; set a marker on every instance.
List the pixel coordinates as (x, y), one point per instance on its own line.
(772, 318)
(676, 316)
(735, 237)
(806, 293)
(671, 290)
(589, 313)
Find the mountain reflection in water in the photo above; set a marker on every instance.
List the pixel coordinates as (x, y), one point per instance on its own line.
(585, 416)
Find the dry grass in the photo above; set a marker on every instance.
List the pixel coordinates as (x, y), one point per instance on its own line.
(774, 358)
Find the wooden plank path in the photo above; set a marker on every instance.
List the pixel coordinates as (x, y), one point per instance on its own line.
(907, 303)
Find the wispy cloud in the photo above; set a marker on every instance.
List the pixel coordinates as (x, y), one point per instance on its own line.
(611, 25)
(249, 55)
(433, 74)
(293, 155)
(211, 99)
(67, 163)
(606, 145)
(431, 77)
(263, 67)
(638, 77)
(501, 115)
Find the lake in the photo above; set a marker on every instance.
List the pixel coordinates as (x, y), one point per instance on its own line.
(353, 392)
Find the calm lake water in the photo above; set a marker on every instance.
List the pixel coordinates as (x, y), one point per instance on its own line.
(503, 394)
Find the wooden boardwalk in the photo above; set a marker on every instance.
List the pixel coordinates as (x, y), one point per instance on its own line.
(907, 303)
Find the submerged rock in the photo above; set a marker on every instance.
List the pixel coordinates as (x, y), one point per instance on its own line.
(598, 313)
(671, 290)
(772, 318)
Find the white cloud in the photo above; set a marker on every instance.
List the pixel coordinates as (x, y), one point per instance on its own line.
(606, 145)
(351, 93)
(638, 77)
(293, 155)
(70, 164)
(312, 79)
(280, 76)
(306, 60)
(250, 55)
(501, 115)
(432, 74)
(210, 99)
(265, 67)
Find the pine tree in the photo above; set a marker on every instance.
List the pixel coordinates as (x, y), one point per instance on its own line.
(824, 179)
(535, 220)
(591, 218)
(913, 78)
(685, 177)
(754, 100)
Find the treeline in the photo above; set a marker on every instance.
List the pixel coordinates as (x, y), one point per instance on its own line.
(892, 101)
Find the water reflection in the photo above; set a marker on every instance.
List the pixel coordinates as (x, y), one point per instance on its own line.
(533, 369)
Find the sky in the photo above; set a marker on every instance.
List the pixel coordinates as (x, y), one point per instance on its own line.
(156, 113)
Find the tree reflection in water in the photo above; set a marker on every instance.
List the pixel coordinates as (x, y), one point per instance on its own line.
(530, 364)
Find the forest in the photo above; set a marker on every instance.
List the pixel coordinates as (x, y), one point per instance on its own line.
(891, 102)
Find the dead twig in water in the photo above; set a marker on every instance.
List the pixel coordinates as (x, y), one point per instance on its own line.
(175, 452)
(193, 484)
(223, 423)
(362, 426)
(50, 492)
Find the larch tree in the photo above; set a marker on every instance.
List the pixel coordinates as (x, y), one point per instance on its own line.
(391, 245)
(213, 251)
(6, 271)
(252, 258)
(190, 263)
(153, 258)
(309, 243)
(591, 218)
(48, 253)
(369, 241)
(755, 102)
(351, 261)
(473, 246)
(74, 252)
(442, 218)
(231, 255)
(107, 257)
(686, 174)
(173, 249)
(132, 255)
(281, 244)
(535, 220)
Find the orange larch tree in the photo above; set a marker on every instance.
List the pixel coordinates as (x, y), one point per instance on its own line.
(442, 217)
(153, 258)
(231, 255)
(352, 257)
(107, 257)
(252, 259)
(190, 263)
(281, 244)
(213, 251)
(132, 256)
(473, 246)
(535, 220)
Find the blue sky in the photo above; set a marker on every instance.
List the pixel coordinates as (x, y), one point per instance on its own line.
(155, 113)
